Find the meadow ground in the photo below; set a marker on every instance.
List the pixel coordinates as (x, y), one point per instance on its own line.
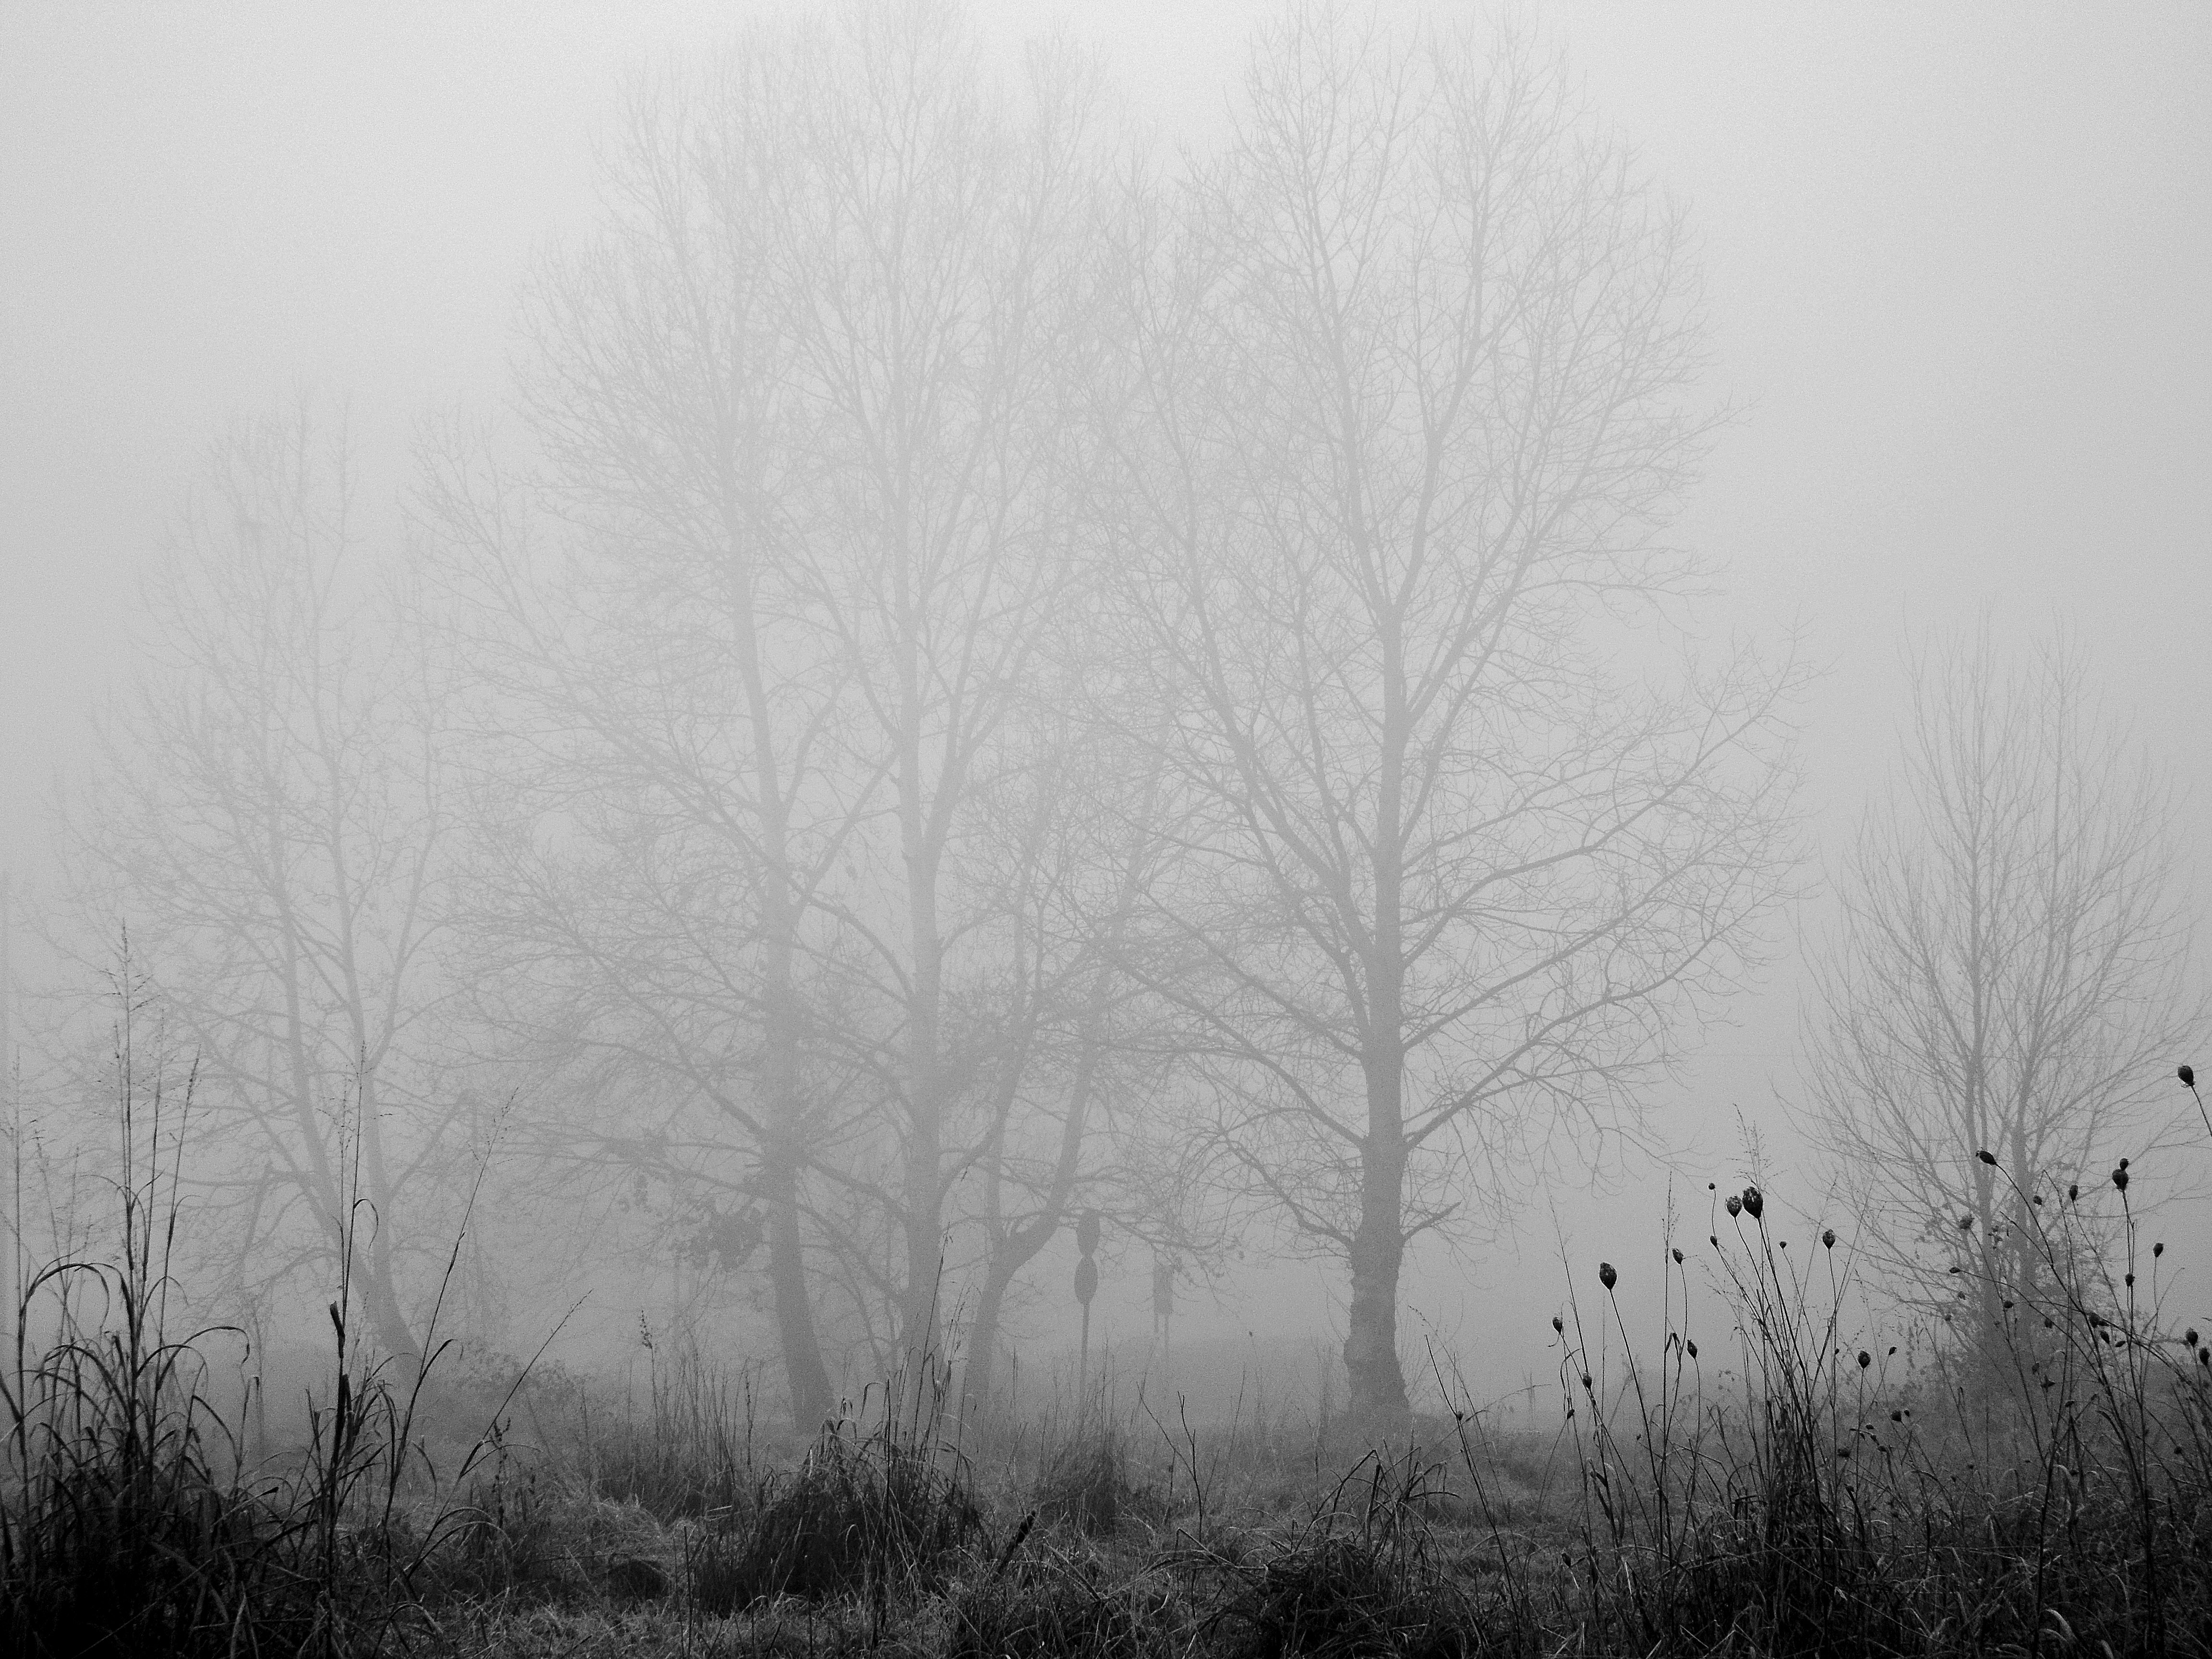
(2046, 1490)
(2038, 1481)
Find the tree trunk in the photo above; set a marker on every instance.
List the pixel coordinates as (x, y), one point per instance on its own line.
(979, 1375)
(1378, 1246)
(1378, 1249)
(805, 1377)
(1014, 1248)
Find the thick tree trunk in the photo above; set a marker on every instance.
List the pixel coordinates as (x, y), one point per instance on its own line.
(805, 1377)
(1378, 1250)
(392, 1330)
(1379, 1246)
(979, 1375)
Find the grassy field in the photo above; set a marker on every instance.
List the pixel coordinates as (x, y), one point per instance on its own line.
(2040, 1485)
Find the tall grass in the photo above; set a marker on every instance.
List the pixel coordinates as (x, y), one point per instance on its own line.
(2043, 1483)
(1766, 1476)
(131, 1519)
(876, 1507)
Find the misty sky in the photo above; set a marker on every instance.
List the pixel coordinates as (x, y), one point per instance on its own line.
(1958, 259)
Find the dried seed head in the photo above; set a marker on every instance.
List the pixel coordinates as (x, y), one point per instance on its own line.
(1865, 1359)
(1988, 1158)
(1605, 1276)
(2120, 1178)
(1966, 1223)
(1678, 1255)
(1734, 1205)
(2187, 1073)
(1559, 1324)
(2157, 1250)
(2072, 1191)
(2189, 1337)
(1692, 1347)
(1753, 1202)
(1828, 1236)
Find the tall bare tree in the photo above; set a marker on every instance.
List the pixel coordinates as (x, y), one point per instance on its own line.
(770, 616)
(2010, 973)
(642, 612)
(939, 240)
(268, 822)
(1399, 414)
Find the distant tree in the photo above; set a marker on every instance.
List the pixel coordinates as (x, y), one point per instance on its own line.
(1399, 409)
(2010, 973)
(938, 233)
(268, 819)
(766, 625)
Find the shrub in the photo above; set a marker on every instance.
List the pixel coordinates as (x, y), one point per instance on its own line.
(863, 1510)
(1086, 1484)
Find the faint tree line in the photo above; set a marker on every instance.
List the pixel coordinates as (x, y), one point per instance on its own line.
(988, 675)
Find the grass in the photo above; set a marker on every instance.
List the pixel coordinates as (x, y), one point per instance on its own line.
(131, 1519)
(1777, 1484)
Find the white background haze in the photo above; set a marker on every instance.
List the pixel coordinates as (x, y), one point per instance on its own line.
(1959, 262)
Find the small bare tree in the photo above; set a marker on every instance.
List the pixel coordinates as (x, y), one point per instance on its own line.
(268, 822)
(1399, 411)
(2010, 973)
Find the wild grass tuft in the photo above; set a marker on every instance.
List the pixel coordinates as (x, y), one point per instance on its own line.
(877, 1505)
(131, 1520)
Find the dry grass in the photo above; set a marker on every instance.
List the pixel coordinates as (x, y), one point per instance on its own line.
(2041, 1487)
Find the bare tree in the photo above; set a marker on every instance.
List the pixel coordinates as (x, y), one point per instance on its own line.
(640, 610)
(1069, 1074)
(269, 822)
(939, 235)
(2010, 973)
(1398, 412)
(766, 622)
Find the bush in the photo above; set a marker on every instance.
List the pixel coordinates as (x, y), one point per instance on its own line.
(863, 1512)
(1086, 1484)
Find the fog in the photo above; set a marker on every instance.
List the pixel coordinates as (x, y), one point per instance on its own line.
(1886, 342)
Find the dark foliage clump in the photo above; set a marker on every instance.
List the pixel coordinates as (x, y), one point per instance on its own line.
(1086, 1485)
(1062, 1612)
(1344, 1597)
(860, 1512)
